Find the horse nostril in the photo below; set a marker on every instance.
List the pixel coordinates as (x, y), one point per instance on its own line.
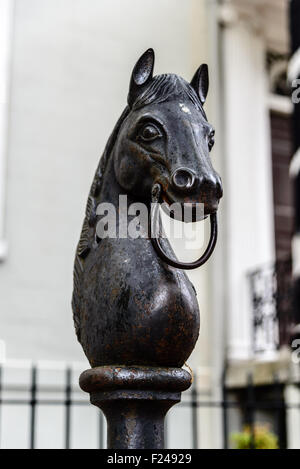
(183, 179)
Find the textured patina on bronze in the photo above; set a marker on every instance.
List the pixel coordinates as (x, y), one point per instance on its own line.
(133, 304)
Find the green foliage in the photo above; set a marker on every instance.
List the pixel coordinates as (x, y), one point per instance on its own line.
(262, 438)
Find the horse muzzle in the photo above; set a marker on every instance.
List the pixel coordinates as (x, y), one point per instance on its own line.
(200, 195)
(154, 231)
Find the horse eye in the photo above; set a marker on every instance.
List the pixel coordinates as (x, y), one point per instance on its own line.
(149, 132)
(211, 139)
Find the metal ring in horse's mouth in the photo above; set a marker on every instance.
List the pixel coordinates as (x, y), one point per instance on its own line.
(154, 236)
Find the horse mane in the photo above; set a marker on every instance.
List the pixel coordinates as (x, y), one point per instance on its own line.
(86, 236)
(161, 88)
(166, 87)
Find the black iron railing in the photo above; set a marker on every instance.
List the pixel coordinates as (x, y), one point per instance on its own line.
(271, 295)
(33, 403)
(248, 403)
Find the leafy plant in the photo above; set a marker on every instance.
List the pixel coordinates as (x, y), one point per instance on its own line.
(260, 438)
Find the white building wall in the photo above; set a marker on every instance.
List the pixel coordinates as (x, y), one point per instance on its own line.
(248, 178)
(6, 21)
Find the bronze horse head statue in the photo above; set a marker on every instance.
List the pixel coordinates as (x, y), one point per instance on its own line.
(132, 302)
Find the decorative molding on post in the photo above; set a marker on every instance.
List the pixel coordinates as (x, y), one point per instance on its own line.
(135, 401)
(135, 311)
(6, 13)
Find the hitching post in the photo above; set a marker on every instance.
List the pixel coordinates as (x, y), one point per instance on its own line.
(135, 311)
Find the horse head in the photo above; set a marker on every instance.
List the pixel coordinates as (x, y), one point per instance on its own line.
(166, 139)
(129, 307)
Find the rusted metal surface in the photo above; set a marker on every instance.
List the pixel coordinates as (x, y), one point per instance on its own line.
(132, 306)
(135, 401)
(106, 378)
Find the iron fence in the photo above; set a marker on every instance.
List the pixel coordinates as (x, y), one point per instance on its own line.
(247, 402)
(272, 308)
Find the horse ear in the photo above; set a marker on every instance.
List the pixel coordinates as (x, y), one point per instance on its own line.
(141, 76)
(200, 82)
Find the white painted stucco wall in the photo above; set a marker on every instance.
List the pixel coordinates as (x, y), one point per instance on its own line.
(6, 22)
(249, 230)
